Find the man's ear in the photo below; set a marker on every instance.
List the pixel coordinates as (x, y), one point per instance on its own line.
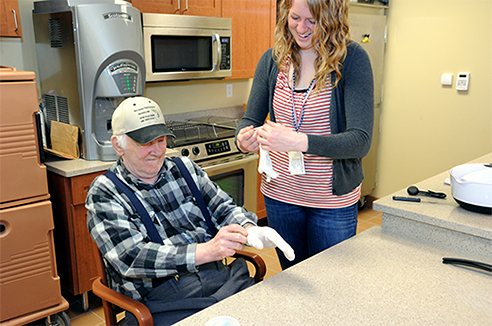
(118, 149)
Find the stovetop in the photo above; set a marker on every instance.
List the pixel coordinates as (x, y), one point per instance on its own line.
(203, 138)
(188, 133)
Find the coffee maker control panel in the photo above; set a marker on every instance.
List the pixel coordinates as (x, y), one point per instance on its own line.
(125, 75)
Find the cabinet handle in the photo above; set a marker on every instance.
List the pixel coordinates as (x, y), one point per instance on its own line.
(179, 6)
(15, 21)
(186, 7)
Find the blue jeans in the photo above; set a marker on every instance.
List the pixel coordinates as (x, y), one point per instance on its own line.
(309, 230)
(174, 300)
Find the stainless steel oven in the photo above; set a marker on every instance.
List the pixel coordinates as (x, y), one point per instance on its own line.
(209, 141)
(237, 176)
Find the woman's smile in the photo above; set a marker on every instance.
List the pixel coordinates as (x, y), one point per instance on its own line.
(301, 24)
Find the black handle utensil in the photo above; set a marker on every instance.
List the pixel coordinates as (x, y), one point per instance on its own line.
(469, 263)
(412, 199)
(414, 191)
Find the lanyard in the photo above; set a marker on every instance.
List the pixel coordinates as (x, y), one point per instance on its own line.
(303, 104)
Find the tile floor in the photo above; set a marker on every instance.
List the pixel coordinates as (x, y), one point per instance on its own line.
(95, 315)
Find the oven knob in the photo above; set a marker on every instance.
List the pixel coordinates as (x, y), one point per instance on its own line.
(195, 150)
(185, 152)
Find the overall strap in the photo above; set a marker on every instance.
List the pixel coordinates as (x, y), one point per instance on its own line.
(137, 204)
(199, 198)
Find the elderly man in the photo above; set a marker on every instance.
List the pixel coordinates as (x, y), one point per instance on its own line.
(181, 272)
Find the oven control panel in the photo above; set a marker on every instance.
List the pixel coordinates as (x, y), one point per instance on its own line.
(218, 147)
(205, 151)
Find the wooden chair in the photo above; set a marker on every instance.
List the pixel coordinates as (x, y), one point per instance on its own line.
(115, 302)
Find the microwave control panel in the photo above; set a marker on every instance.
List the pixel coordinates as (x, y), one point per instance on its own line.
(225, 48)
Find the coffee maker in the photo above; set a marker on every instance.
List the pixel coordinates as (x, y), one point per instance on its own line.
(90, 56)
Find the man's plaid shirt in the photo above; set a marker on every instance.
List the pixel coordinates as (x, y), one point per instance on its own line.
(122, 237)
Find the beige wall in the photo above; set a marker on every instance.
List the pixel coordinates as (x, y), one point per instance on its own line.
(190, 96)
(427, 128)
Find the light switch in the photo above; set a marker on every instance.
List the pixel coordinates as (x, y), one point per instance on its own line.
(447, 79)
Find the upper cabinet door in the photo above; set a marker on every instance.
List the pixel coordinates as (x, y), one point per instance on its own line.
(210, 8)
(157, 6)
(10, 24)
(253, 23)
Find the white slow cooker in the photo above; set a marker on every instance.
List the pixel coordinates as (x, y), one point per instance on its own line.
(471, 186)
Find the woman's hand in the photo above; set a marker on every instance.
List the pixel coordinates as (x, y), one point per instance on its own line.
(246, 140)
(275, 137)
(226, 242)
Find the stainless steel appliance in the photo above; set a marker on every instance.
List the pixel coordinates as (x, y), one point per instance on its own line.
(90, 55)
(182, 47)
(209, 141)
(368, 28)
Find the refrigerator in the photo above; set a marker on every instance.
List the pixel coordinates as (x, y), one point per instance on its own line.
(368, 28)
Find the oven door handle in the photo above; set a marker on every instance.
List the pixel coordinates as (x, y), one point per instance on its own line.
(231, 164)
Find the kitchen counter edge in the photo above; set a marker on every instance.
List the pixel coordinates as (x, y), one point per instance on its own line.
(72, 168)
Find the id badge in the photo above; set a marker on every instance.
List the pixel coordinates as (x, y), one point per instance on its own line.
(296, 163)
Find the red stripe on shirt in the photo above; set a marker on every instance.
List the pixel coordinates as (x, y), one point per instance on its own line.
(314, 188)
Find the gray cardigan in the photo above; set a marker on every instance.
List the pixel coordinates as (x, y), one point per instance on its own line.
(351, 115)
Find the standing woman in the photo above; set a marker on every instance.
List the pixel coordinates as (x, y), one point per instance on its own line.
(317, 86)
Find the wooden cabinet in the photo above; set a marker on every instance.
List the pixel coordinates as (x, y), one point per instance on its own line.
(253, 23)
(211, 8)
(10, 24)
(75, 260)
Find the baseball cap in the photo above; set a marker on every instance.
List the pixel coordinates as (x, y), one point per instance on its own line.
(141, 119)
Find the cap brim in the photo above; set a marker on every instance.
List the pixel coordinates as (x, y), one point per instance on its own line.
(150, 133)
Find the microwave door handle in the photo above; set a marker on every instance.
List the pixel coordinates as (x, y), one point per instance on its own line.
(216, 39)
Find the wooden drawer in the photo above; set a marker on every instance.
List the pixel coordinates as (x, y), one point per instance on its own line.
(80, 185)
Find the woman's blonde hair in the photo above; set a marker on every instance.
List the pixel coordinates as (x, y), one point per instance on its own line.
(330, 38)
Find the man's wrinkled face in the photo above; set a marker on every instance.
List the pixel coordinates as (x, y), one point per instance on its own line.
(145, 160)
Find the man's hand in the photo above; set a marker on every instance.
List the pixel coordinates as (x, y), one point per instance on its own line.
(226, 242)
(264, 236)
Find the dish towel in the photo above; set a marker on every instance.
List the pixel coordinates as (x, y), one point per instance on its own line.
(265, 165)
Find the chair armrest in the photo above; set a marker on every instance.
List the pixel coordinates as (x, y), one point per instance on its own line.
(256, 260)
(138, 309)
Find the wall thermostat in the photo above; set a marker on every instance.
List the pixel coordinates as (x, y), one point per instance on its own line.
(462, 81)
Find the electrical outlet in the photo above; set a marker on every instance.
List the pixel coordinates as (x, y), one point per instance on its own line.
(228, 90)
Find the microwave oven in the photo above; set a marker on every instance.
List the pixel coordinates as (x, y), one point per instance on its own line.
(181, 47)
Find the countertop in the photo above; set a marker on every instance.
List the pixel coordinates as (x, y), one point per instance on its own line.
(72, 168)
(371, 279)
(441, 221)
(389, 275)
